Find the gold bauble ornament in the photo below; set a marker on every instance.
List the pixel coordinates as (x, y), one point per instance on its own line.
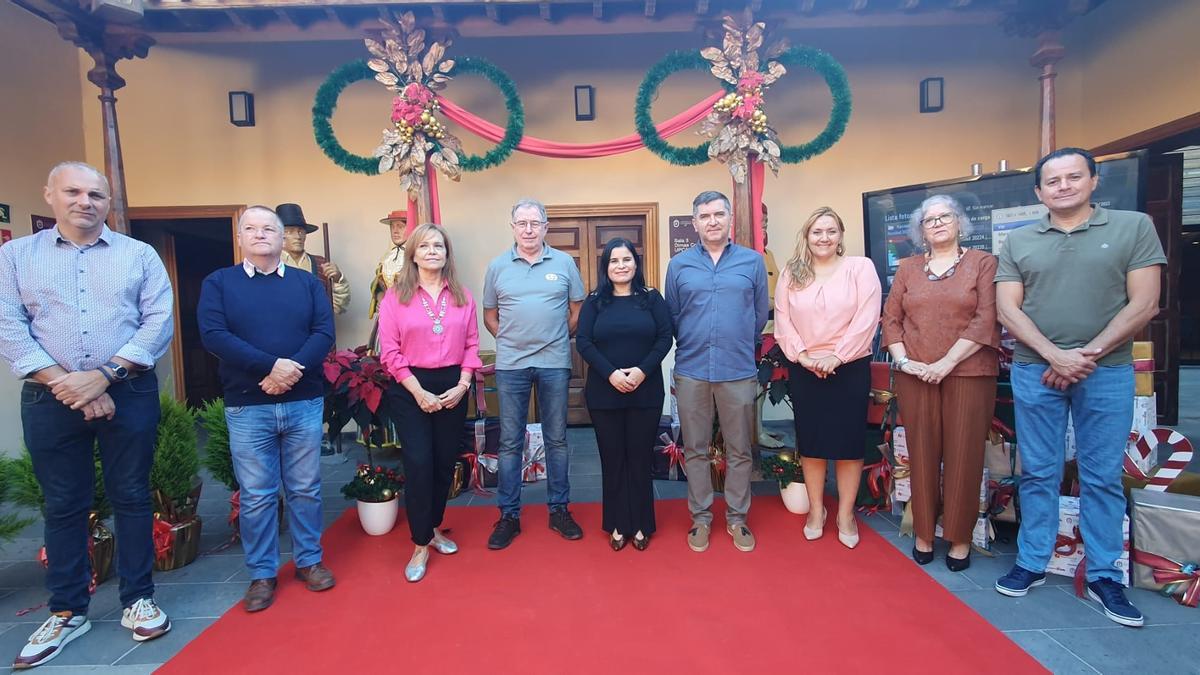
(785, 457)
(387, 494)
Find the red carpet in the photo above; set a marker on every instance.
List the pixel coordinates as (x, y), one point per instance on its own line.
(546, 605)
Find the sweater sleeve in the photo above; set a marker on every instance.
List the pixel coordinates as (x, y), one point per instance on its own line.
(219, 340)
(320, 333)
(584, 339)
(662, 338)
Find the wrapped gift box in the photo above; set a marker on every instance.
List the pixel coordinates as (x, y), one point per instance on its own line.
(902, 480)
(981, 537)
(1145, 412)
(667, 456)
(1166, 530)
(1146, 463)
(1143, 384)
(533, 455)
(490, 395)
(1003, 464)
(1069, 549)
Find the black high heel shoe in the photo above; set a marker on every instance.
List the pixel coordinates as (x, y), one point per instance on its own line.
(643, 543)
(922, 557)
(957, 564)
(617, 544)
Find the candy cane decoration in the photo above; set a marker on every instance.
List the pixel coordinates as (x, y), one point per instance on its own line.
(1181, 455)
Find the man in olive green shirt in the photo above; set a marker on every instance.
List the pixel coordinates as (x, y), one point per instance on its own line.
(1074, 289)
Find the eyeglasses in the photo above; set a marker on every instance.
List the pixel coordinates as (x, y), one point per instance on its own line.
(529, 224)
(944, 219)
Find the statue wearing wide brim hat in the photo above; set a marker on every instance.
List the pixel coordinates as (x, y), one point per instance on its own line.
(296, 229)
(393, 260)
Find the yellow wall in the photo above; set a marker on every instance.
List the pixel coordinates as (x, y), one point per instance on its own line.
(42, 125)
(1130, 66)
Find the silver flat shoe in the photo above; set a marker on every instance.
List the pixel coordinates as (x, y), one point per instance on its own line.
(443, 545)
(415, 571)
(816, 532)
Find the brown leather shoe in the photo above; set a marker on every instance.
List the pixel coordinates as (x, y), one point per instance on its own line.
(315, 577)
(260, 595)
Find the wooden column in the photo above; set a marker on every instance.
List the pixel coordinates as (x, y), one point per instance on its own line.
(743, 224)
(1049, 52)
(107, 45)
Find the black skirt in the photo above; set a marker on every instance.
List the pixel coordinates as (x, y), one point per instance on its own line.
(831, 413)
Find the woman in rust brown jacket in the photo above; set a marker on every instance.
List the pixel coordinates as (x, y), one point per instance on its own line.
(939, 323)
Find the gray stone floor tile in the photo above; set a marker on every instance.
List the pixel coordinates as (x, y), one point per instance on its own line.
(22, 574)
(21, 548)
(192, 601)
(671, 489)
(160, 650)
(106, 642)
(103, 602)
(1147, 651)
(585, 480)
(1050, 653)
(1043, 608)
(1157, 609)
(585, 495)
(205, 569)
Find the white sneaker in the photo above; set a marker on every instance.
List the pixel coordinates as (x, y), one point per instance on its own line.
(49, 639)
(145, 619)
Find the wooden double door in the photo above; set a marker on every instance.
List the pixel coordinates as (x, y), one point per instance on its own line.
(582, 231)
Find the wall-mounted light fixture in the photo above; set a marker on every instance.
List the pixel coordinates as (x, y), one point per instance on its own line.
(241, 108)
(585, 98)
(933, 94)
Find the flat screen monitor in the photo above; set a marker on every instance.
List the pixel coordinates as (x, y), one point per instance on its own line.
(996, 203)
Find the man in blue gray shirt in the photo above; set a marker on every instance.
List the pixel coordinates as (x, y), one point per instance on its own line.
(84, 314)
(717, 294)
(531, 299)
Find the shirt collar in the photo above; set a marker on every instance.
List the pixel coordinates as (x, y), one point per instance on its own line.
(516, 255)
(1099, 217)
(105, 236)
(251, 270)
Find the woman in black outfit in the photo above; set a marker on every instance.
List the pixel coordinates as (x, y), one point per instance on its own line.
(624, 333)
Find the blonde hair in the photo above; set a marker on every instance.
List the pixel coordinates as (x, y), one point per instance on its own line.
(799, 268)
(407, 279)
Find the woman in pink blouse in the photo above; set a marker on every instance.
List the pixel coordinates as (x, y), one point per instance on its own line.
(826, 311)
(428, 342)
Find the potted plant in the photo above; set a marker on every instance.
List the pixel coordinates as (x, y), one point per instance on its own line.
(785, 468)
(355, 381)
(175, 486)
(20, 487)
(218, 460)
(376, 489)
(11, 524)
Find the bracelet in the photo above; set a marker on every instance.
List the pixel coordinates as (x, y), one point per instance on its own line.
(106, 375)
(899, 363)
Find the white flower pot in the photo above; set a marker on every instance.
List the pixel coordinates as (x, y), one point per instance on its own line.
(795, 497)
(378, 518)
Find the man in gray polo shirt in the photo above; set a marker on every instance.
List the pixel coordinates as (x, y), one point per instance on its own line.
(1074, 289)
(531, 299)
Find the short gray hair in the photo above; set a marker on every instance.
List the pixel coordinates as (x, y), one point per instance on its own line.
(916, 231)
(528, 202)
(261, 209)
(710, 196)
(82, 166)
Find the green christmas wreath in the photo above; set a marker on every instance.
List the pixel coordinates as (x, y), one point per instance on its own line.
(648, 91)
(333, 86)
(839, 116)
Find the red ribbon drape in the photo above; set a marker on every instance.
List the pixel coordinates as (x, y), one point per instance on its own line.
(542, 147)
(1174, 575)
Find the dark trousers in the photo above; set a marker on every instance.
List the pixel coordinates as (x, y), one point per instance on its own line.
(430, 443)
(625, 437)
(61, 445)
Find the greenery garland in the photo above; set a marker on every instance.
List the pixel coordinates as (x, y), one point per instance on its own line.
(514, 130)
(648, 91)
(355, 71)
(839, 87)
(322, 111)
(806, 57)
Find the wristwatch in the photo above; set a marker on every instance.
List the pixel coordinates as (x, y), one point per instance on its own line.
(899, 363)
(120, 373)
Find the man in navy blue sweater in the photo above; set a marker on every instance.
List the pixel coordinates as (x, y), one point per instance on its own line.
(271, 327)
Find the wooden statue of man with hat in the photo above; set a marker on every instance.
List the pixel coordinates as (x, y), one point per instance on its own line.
(295, 231)
(393, 260)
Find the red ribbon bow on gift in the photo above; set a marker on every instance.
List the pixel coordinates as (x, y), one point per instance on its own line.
(673, 452)
(164, 538)
(1002, 493)
(1173, 575)
(1065, 546)
(93, 580)
(532, 470)
(879, 475)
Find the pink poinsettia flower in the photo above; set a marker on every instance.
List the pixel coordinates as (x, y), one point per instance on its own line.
(417, 93)
(749, 104)
(750, 81)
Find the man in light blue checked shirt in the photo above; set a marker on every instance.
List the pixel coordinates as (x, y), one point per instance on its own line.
(84, 314)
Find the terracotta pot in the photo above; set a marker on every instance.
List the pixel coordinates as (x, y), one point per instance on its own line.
(378, 518)
(185, 545)
(795, 497)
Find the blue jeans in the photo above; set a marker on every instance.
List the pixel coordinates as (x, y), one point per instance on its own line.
(513, 387)
(61, 445)
(1101, 408)
(269, 442)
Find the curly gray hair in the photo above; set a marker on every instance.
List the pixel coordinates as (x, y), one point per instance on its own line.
(916, 231)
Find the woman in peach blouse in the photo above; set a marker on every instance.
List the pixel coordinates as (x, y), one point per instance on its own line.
(826, 313)
(940, 326)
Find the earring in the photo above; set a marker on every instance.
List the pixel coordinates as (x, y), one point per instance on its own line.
(841, 249)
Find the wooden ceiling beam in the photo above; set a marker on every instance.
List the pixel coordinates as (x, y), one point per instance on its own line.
(598, 10)
(439, 13)
(544, 11)
(909, 5)
(492, 11)
(651, 7)
(702, 7)
(806, 6)
(858, 6)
